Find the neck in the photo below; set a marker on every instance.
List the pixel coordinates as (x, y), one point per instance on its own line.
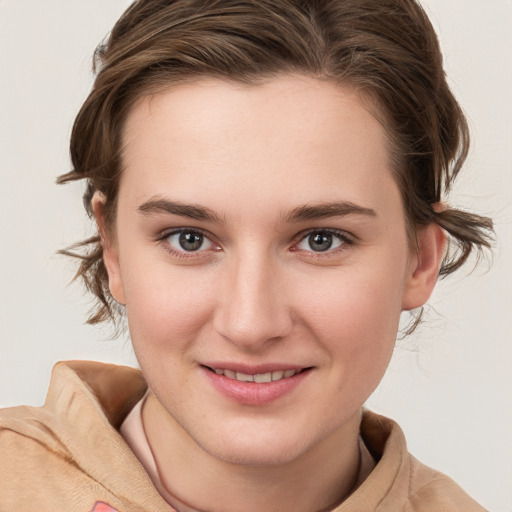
(193, 479)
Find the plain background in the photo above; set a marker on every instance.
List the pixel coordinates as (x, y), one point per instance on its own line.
(449, 385)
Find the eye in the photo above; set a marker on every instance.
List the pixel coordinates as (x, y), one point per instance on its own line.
(187, 240)
(322, 241)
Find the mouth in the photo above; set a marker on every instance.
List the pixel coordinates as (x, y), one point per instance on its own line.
(255, 385)
(260, 378)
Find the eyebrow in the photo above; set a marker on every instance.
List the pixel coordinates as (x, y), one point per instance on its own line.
(159, 205)
(325, 210)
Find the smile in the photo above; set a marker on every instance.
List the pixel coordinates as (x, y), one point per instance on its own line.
(258, 385)
(258, 377)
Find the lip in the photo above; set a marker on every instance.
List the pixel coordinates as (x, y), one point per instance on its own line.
(252, 369)
(252, 393)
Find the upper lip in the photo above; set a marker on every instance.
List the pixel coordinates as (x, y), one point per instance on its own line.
(253, 369)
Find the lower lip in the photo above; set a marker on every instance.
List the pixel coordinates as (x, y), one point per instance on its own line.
(252, 393)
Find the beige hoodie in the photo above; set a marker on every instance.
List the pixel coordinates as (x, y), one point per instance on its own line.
(69, 455)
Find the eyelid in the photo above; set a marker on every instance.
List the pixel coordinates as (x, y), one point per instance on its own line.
(346, 238)
(164, 235)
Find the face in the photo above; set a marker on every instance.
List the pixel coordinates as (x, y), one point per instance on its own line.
(261, 251)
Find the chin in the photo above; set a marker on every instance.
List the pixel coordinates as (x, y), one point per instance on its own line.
(256, 445)
(256, 454)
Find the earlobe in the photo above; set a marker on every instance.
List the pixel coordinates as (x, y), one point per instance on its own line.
(110, 250)
(425, 265)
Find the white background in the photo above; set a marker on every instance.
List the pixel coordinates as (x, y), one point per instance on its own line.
(449, 386)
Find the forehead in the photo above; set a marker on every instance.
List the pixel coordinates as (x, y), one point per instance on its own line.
(293, 132)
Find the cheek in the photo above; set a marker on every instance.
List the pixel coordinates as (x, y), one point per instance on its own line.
(356, 301)
(355, 316)
(166, 307)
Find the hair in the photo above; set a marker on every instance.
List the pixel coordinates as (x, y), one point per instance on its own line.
(387, 49)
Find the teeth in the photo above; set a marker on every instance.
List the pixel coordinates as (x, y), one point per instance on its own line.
(259, 377)
(277, 375)
(229, 374)
(244, 377)
(263, 377)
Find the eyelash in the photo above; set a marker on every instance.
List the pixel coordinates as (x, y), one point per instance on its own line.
(183, 254)
(345, 239)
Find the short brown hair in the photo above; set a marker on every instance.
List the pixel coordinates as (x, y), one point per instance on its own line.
(386, 48)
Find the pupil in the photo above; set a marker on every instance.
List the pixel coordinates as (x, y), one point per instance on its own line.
(191, 241)
(320, 242)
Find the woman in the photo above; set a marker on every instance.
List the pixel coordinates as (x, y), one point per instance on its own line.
(267, 180)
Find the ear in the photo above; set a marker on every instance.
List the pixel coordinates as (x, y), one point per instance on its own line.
(424, 268)
(110, 248)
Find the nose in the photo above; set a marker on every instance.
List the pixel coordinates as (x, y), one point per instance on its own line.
(252, 306)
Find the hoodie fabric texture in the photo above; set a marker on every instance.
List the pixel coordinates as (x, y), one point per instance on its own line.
(69, 456)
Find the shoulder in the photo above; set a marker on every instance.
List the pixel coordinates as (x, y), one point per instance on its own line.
(399, 482)
(66, 454)
(429, 487)
(37, 466)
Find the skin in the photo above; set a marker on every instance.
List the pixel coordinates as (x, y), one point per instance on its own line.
(256, 291)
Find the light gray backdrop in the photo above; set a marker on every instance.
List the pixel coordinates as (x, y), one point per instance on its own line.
(449, 386)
